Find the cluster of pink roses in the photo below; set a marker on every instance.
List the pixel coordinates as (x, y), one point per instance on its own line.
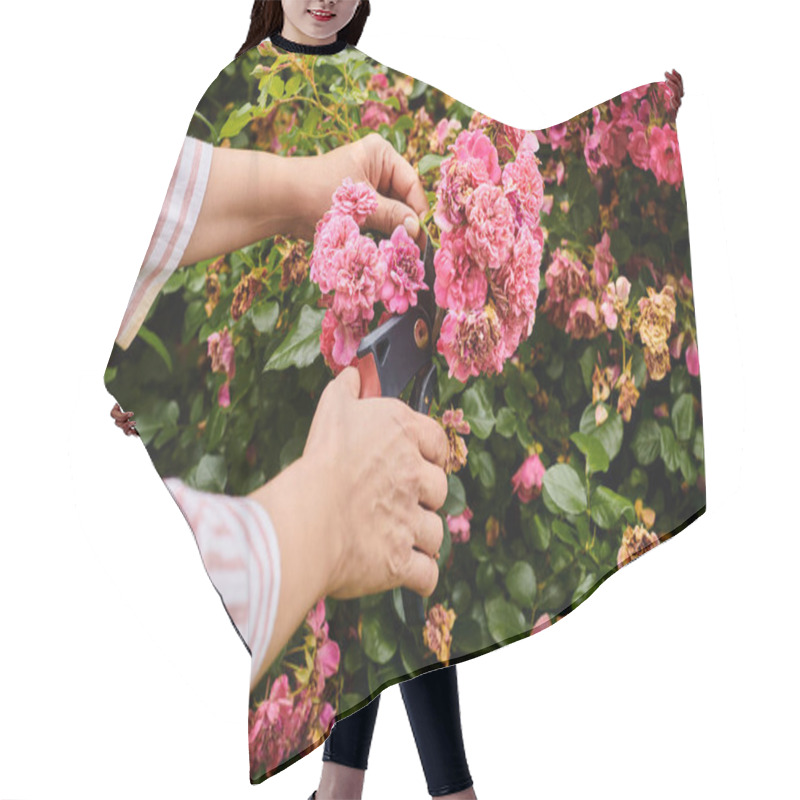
(583, 303)
(633, 130)
(487, 268)
(286, 721)
(354, 273)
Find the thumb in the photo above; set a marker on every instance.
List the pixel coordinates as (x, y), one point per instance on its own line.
(350, 380)
(391, 213)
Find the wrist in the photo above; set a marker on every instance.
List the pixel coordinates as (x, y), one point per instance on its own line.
(282, 187)
(297, 503)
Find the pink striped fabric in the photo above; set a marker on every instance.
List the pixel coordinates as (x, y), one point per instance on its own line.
(239, 548)
(171, 235)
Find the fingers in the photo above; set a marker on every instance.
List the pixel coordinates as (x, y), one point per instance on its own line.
(391, 213)
(430, 437)
(400, 191)
(429, 533)
(423, 574)
(432, 486)
(397, 178)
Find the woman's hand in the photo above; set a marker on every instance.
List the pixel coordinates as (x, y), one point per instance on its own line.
(371, 159)
(380, 476)
(355, 514)
(675, 83)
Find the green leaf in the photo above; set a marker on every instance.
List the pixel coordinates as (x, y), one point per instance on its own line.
(174, 282)
(521, 583)
(399, 606)
(456, 500)
(506, 422)
(566, 533)
(621, 247)
(517, 398)
(698, 451)
(608, 506)
(583, 587)
(461, 597)
(448, 387)
(587, 361)
(236, 121)
(609, 433)
(504, 619)
(565, 488)
(398, 139)
(409, 654)
(377, 645)
(679, 380)
(467, 635)
(484, 576)
(596, 455)
(292, 85)
(353, 659)
(429, 161)
(555, 366)
(264, 316)
(482, 464)
(211, 474)
(670, 450)
(447, 544)
(683, 417)
(275, 86)
(312, 120)
(217, 421)
(477, 403)
(541, 533)
(301, 345)
(688, 469)
(554, 596)
(155, 342)
(647, 442)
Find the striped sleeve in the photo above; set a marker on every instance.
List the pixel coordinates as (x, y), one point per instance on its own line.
(172, 233)
(239, 548)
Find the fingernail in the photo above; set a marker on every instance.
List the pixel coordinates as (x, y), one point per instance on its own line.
(411, 225)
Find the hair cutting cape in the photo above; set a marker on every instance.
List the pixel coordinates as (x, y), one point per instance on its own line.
(567, 371)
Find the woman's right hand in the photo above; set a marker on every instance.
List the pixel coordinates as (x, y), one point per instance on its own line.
(379, 468)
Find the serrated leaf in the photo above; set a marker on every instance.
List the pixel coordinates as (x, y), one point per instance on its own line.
(301, 345)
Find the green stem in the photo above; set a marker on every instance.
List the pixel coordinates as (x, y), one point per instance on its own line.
(210, 126)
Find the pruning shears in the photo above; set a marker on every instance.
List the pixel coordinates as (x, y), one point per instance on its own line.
(397, 351)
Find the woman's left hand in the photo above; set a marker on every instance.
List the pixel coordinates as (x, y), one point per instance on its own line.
(373, 160)
(675, 83)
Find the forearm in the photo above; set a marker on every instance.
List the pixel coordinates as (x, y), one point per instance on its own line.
(250, 195)
(300, 515)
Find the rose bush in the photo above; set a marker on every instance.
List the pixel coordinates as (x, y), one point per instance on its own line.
(568, 370)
